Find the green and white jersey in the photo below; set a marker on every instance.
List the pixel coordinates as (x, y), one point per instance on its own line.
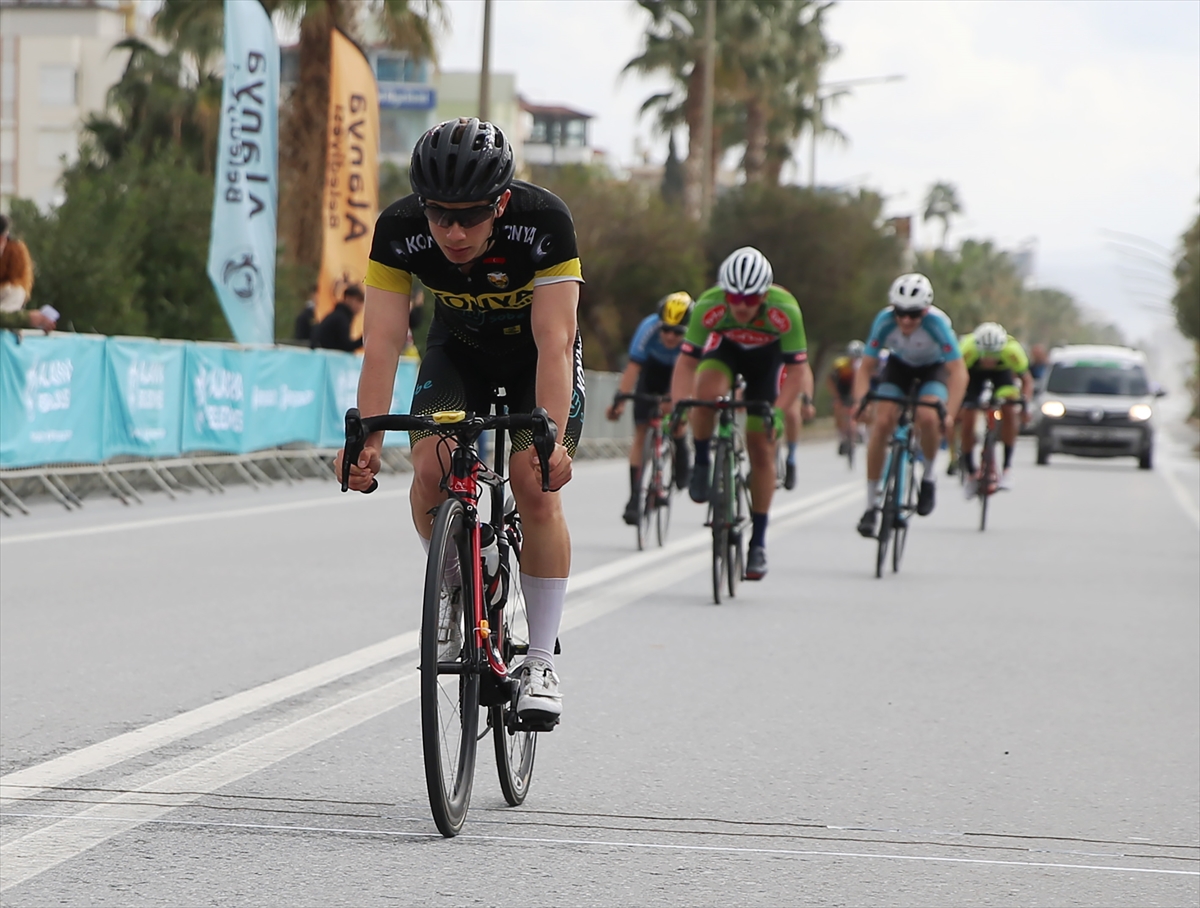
(778, 319)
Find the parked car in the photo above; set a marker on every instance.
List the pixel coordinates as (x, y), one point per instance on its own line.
(1096, 401)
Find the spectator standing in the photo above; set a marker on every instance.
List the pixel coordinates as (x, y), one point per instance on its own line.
(333, 332)
(16, 271)
(1038, 361)
(303, 328)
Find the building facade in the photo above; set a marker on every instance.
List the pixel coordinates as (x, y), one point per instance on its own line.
(56, 65)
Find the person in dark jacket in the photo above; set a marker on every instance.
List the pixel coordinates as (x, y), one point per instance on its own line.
(304, 321)
(333, 332)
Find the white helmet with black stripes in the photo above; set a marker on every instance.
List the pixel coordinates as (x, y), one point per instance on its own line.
(746, 272)
(911, 292)
(990, 337)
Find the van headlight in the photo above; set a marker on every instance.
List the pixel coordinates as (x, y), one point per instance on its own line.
(1140, 412)
(1054, 409)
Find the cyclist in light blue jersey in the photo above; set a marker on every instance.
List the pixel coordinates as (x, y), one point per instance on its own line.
(924, 349)
(652, 354)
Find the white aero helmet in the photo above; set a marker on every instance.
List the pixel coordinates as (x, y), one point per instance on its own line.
(746, 272)
(990, 337)
(911, 292)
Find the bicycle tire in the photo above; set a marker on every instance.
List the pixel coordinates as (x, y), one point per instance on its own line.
(719, 508)
(646, 504)
(987, 466)
(450, 708)
(664, 485)
(736, 565)
(887, 512)
(851, 444)
(515, 750)
(908, 508)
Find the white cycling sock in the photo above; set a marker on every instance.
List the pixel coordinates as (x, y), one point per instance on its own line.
(544, 601)
(930, 474)
(872, 493)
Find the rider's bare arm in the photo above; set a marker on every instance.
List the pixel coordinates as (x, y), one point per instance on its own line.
(956, 386)
(628, 382)
(799, 380)
(862, 378)
(554, 325)
(683, 378)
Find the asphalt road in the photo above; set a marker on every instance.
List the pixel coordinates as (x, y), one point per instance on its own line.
(213, 702)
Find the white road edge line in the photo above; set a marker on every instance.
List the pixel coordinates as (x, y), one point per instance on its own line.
(1166, 469)
(43, 849)
(104, 754)
(789, 852)
(153, 522)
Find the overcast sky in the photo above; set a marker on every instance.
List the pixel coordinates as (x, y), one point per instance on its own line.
(1074, 125)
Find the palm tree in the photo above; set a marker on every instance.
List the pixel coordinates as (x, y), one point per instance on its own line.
(942, 204)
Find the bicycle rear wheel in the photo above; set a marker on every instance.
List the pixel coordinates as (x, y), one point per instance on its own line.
(906, 507)
(449, 689)
(515, 749)
(646, 502)
(719, 511)
(664, 485)
(851, 444)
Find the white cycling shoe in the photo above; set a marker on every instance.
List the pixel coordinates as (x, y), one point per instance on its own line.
(1006, 481)
(538, 696)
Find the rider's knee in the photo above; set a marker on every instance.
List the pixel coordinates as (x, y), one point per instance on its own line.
(535, 505)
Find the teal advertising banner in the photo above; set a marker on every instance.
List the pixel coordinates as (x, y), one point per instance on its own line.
(341, 393)
(284, 398)
(144, 398)
(214, 398)
(241, 255)
(51, 399)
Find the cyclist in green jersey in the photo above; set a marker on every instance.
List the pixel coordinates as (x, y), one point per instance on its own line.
(991, 354)
(750, 327)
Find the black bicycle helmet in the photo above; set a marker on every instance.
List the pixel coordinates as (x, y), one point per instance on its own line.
(463, 160)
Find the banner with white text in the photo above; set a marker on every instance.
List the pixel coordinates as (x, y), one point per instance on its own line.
(351, 172)
(241, 253)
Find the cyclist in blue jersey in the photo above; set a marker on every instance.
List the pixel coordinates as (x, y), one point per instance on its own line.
(652, 355)
(924, 349)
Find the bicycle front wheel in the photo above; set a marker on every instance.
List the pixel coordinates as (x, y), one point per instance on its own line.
(514, 748)
(906, 507)
(719, 512)
(738, 517)
(887, 518)
(987, 472)
(449, 671)
(664, 484)
(646, 501)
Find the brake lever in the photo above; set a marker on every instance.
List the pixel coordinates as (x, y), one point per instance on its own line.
(543, 442)
(356, 438)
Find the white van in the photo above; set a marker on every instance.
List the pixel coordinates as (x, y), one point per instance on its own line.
(1096, 401)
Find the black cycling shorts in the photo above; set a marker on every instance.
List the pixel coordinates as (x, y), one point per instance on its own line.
(456, 376)
(761, 367)
(1000, 378)
(655, 378)
(899, 377)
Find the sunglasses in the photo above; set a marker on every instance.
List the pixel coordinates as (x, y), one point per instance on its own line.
(465, 217)
(672, 329)
(901, 313)
(739, 299)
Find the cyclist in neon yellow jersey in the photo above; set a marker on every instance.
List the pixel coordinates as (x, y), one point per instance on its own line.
(749, 326)
(991, 354)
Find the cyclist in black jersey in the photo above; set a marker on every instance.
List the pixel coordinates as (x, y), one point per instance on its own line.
(499, 258)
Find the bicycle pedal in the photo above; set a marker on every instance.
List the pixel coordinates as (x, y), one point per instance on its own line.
(542, 723)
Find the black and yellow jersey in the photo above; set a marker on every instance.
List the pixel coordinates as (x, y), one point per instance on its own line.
(532, 244)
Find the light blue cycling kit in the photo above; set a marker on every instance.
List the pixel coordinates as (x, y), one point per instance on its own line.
(918, 355)
(647, 345)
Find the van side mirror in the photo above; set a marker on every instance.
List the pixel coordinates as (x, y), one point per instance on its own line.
(1160, 391)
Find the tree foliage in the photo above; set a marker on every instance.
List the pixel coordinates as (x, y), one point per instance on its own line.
(635, 249)
(1187, 281)
(980, 283)
(942, 204)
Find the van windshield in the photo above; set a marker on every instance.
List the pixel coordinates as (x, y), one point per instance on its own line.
(1097, 378)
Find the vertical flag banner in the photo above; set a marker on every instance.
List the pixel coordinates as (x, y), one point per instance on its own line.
(351, 171)
(241, 252)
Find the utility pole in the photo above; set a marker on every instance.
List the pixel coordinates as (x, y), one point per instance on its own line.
(485, 68)
(710, 65)
(825, 92)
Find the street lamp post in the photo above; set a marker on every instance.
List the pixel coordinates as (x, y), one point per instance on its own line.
(485, 67)
(827, 91)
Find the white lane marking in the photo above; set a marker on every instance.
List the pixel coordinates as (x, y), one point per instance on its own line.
(153, 522)
(597, 843)
(38, 851)
(115, 750)
(1166, 469)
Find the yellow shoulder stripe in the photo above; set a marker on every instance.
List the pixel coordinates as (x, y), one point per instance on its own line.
(384, 277)
(569, 269)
